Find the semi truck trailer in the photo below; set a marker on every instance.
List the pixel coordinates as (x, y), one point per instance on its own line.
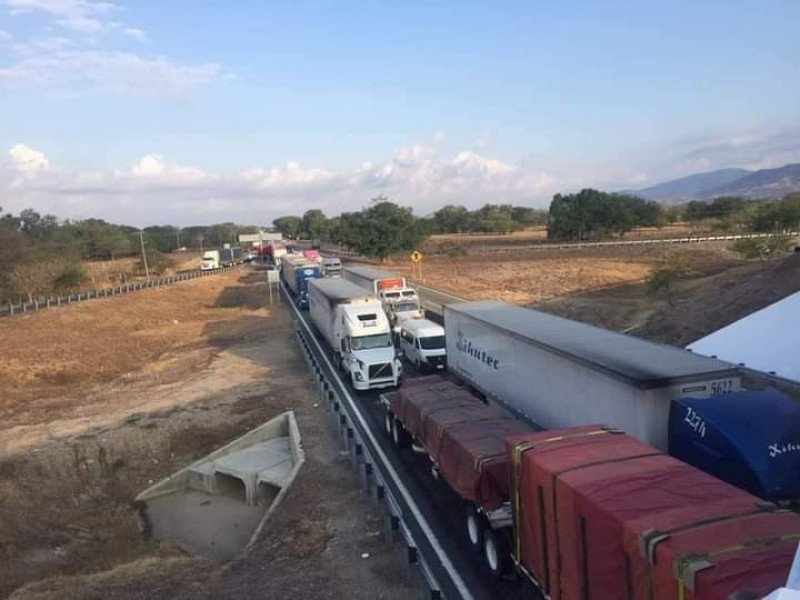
(400, 302)
(560, 373)
(355, 327)
(589, 512)
(296, 272)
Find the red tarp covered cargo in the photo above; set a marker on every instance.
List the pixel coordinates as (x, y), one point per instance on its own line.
(463, 436)
(599, 514)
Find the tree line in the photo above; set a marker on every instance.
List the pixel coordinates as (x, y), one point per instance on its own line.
(41, 255)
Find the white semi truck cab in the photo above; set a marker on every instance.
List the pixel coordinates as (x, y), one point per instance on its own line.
(399, 300)
(401, 304)
(354, 325)
(210, 260)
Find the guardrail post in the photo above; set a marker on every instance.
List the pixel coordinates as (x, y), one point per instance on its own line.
(391, 527)
(412, 560)
(369, 472)
(378, 495)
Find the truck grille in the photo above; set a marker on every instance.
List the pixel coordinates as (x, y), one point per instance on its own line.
(380, 370)
(435, 361)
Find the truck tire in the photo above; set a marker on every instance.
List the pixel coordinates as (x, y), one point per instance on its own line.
(474, 525)
(496, 552)
(400, 436)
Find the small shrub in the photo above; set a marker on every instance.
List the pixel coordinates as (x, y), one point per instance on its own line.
(664, 276)
(157, 264)
(763, 248)
(70, 279)
(452, 249)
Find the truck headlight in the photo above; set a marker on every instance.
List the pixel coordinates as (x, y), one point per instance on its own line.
(359, 376)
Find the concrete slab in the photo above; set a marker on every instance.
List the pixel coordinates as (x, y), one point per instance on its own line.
(217, 506)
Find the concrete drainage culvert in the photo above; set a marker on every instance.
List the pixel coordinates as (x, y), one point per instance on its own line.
(217, 506)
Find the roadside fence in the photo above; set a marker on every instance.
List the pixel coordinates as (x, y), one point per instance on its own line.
(22, 307)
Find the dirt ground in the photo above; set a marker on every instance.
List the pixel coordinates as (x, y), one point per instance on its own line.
(101, 399)
(606, 286)
(530, 276)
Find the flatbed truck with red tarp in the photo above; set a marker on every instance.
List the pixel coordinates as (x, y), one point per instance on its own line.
(588, 511)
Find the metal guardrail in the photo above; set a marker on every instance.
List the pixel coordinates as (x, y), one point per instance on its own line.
(22, 307)
(377, 475)
(545, 245)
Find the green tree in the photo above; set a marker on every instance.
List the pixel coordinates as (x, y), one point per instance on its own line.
(452, 218)
(495, 218)
(313, 224)
(382, 229)
(529, 216)
(289, 226)
(163, 237)
(592, 214)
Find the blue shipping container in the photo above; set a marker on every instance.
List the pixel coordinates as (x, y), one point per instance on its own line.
(750, 439)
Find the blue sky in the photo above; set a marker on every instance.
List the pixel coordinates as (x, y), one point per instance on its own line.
(146, 111)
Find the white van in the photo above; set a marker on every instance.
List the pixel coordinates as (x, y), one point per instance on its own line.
(422, 343)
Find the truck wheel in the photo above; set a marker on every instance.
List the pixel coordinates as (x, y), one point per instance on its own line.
(496, 552)
(474, 525)
(400, 436)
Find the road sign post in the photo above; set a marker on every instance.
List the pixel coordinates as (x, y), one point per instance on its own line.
(416, 260)
(273, 276)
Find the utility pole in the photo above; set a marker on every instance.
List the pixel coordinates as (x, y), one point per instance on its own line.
(144, 254)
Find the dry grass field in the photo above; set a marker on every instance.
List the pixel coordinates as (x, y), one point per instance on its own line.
(607, 286)
(100, 399)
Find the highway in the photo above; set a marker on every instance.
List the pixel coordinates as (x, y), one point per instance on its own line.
(440, 507)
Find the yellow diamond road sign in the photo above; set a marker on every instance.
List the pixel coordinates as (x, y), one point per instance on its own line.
(416, 256)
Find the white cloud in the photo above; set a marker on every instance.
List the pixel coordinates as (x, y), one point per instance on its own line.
(26, 161)
(109, 72)
(762, 148)
(84, 16)
(154, 189)
(84, 62)
(135, 33)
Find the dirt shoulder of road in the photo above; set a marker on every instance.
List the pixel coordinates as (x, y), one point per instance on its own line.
(106, 397)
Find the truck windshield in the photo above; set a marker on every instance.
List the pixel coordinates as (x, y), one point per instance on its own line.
(369, 342)
(435, 342)
(405, 306)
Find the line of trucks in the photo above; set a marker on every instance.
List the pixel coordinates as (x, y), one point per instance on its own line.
(223, 257)
(593, 464)
(361, 315)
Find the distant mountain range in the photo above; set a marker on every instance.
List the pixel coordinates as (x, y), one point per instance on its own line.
(764, 183)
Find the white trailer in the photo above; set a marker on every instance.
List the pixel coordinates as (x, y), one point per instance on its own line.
(558, 373)
(353, 324)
